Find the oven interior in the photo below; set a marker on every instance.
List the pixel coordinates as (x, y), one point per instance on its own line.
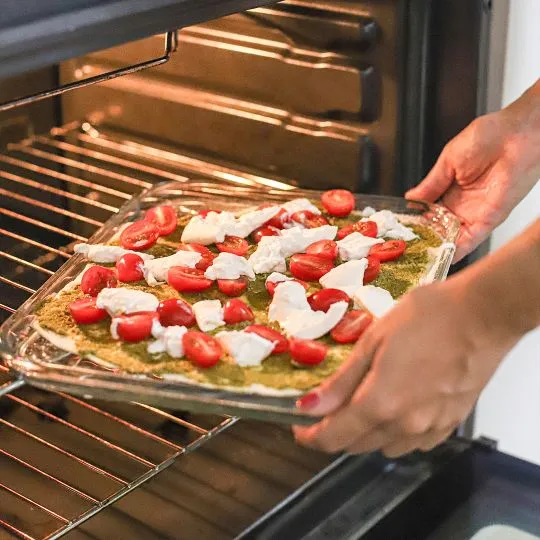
(311, 93)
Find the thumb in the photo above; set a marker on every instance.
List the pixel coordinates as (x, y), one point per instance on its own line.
(339, 388)
(436, 183)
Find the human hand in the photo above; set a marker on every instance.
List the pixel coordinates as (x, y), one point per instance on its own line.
(484, 172)
(412, 378)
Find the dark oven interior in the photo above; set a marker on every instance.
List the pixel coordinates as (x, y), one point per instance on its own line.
(312, 93)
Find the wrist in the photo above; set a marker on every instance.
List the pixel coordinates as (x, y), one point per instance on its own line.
(503, 290)
(524, 113)
(489, 318)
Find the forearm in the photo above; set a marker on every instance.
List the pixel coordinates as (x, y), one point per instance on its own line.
(526, 109)
(523, 144)
(503, 290)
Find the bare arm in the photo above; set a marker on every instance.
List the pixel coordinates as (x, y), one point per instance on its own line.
(485, 171)
(505, 287)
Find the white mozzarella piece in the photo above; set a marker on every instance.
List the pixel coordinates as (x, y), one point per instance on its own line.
(101, 253)
(246, 348)
(292, 224)
(276, 277)
(289, 300)
(298, 205)
(356, 246)
(376, 300)
(250, 221)
(298, 239)
(155, 271)
(272, 250)
(157, 328)
(401, 232)
(389, 226)
(229, 266)
(208, 229)
(346, 277)
(215, 227)
(114, 328)
(118, 301)
(368, 211)
(385, 220)
(169, 341)
(291, 310)
(314, 324)
(268, 257)
(208, 314)
(156, 347)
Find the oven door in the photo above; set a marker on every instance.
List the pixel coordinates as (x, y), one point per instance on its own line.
(461, 490)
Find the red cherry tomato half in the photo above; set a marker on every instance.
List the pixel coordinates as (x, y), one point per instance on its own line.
(351, 327)
(264, 231)
(367, 228)
(164, 217)
(309, 267)
(307, 352)
(129, 268)
(185, 279)
(204, 213)
(389, 251)
(197, 248)
(232, 287)
(207, 255)
(233, 244)
(271, 285)
(308, 219)
(373, 269)
(175, 312)
(204, 263)
(140, 235)
(235, 311)
(327, 249)
(279, 220)
(135, 327)
(97, 278)
(338, 202)
(281, 342)
(84, 311)
(322, 300)
(203, 350)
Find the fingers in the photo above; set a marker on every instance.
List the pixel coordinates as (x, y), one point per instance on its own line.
(468, 241)
(372, 441)
(338, 389)
(436, 183)
(337, 431)
(427, 442)
(462, 250)
(431, 440)
(393, 445)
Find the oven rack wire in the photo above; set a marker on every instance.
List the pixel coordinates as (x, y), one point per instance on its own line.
(57, 190)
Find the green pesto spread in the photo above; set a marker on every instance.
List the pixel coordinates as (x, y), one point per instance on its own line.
(276, 371)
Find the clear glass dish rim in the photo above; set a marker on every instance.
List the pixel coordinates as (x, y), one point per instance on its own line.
(95, 383)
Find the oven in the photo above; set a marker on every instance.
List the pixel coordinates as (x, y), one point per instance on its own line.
(311, 93)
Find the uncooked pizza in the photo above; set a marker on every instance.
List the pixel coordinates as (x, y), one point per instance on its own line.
(268, 301)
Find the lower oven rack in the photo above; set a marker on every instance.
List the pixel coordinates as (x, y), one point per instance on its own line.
(58, 188)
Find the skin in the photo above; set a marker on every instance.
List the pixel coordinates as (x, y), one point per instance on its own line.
(415, 374)
(487, 170)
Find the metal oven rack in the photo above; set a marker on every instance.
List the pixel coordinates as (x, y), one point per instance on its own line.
(65, 459)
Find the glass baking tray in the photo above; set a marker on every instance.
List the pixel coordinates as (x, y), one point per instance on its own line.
(41, 364)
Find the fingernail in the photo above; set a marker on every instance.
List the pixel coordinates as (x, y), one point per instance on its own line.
(309, 401)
